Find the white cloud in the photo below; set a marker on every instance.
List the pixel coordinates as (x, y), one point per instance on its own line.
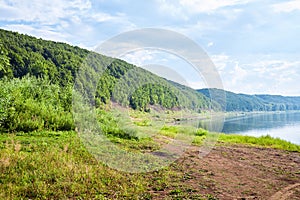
(75, 22)
(287, 6)
(46, 19)
(40, 32)
(203, 6)
(196, 84)
(138, 58)
(220, 61)
(263, 75)
(210, 44)
(81, 4)
(55, 12)
(102, 17)
(169, 8)
(182, 9)
(238, 74)
(267, 76)
(46, 12)
(277, 67)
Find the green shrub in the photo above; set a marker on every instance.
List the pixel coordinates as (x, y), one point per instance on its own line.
(30, 104)
(116, 126)
(201, 132)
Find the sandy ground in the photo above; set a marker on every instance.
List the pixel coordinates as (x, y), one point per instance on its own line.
(240, 172)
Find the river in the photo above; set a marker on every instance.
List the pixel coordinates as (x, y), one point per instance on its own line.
(284, 125)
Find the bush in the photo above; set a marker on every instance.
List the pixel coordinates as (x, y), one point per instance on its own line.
(31, 104)
(116, 126)
(201, 132)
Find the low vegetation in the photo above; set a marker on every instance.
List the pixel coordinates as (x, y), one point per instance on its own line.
(31, 104)
(263, 141)
(55, 165)
(47, 164)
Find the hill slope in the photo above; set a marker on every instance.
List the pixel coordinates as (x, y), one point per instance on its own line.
(248, 103)
(61, 63)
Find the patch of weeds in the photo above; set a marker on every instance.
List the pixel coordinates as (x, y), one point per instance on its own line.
(144, 122)
(201, 132)
(145, 196)
(211, 197)
(169, 131)
(203, 170)
(175, 192)
(264, 141)
(187, 176)
(198, 140)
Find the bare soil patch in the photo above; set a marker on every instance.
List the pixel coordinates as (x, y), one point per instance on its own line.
(237, 172)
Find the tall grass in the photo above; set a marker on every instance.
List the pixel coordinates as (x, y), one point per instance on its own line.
(54, 165)
(264, 141)
(31, 104)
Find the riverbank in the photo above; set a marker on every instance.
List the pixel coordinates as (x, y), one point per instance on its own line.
(55, 165)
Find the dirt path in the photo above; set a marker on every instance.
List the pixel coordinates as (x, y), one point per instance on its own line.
(240, 172)
(286, 192)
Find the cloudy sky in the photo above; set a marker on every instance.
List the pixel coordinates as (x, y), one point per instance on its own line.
(254, 44)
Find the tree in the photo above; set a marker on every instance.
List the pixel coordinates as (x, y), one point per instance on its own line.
(5, 69)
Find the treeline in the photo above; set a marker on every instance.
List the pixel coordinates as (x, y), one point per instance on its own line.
(135, 87)
(37, 76)
(249, 103)
(40, 58)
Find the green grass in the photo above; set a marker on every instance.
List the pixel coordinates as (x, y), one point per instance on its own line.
(263, 141)
(199, 134)
(55, 165)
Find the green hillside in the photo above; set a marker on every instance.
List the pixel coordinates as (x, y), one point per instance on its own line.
(37, 77)
(248, 103)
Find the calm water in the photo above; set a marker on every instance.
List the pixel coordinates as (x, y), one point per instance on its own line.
(283, 125)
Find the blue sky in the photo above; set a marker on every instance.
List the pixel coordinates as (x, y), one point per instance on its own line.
(254, 44)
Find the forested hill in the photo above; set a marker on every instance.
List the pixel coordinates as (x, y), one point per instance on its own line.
(247, 103)
(59, 64)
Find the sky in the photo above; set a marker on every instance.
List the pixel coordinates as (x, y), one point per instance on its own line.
(254, 44)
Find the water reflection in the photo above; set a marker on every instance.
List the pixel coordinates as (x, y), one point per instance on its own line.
(260, 121)
(285, 125)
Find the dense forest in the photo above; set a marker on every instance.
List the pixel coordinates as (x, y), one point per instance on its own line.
(37, 78)
(135, 87)
(249, 103)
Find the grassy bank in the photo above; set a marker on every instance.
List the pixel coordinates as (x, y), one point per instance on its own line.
(56, 165)
(263, 141)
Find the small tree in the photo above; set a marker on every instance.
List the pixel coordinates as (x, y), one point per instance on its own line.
(5, 69)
